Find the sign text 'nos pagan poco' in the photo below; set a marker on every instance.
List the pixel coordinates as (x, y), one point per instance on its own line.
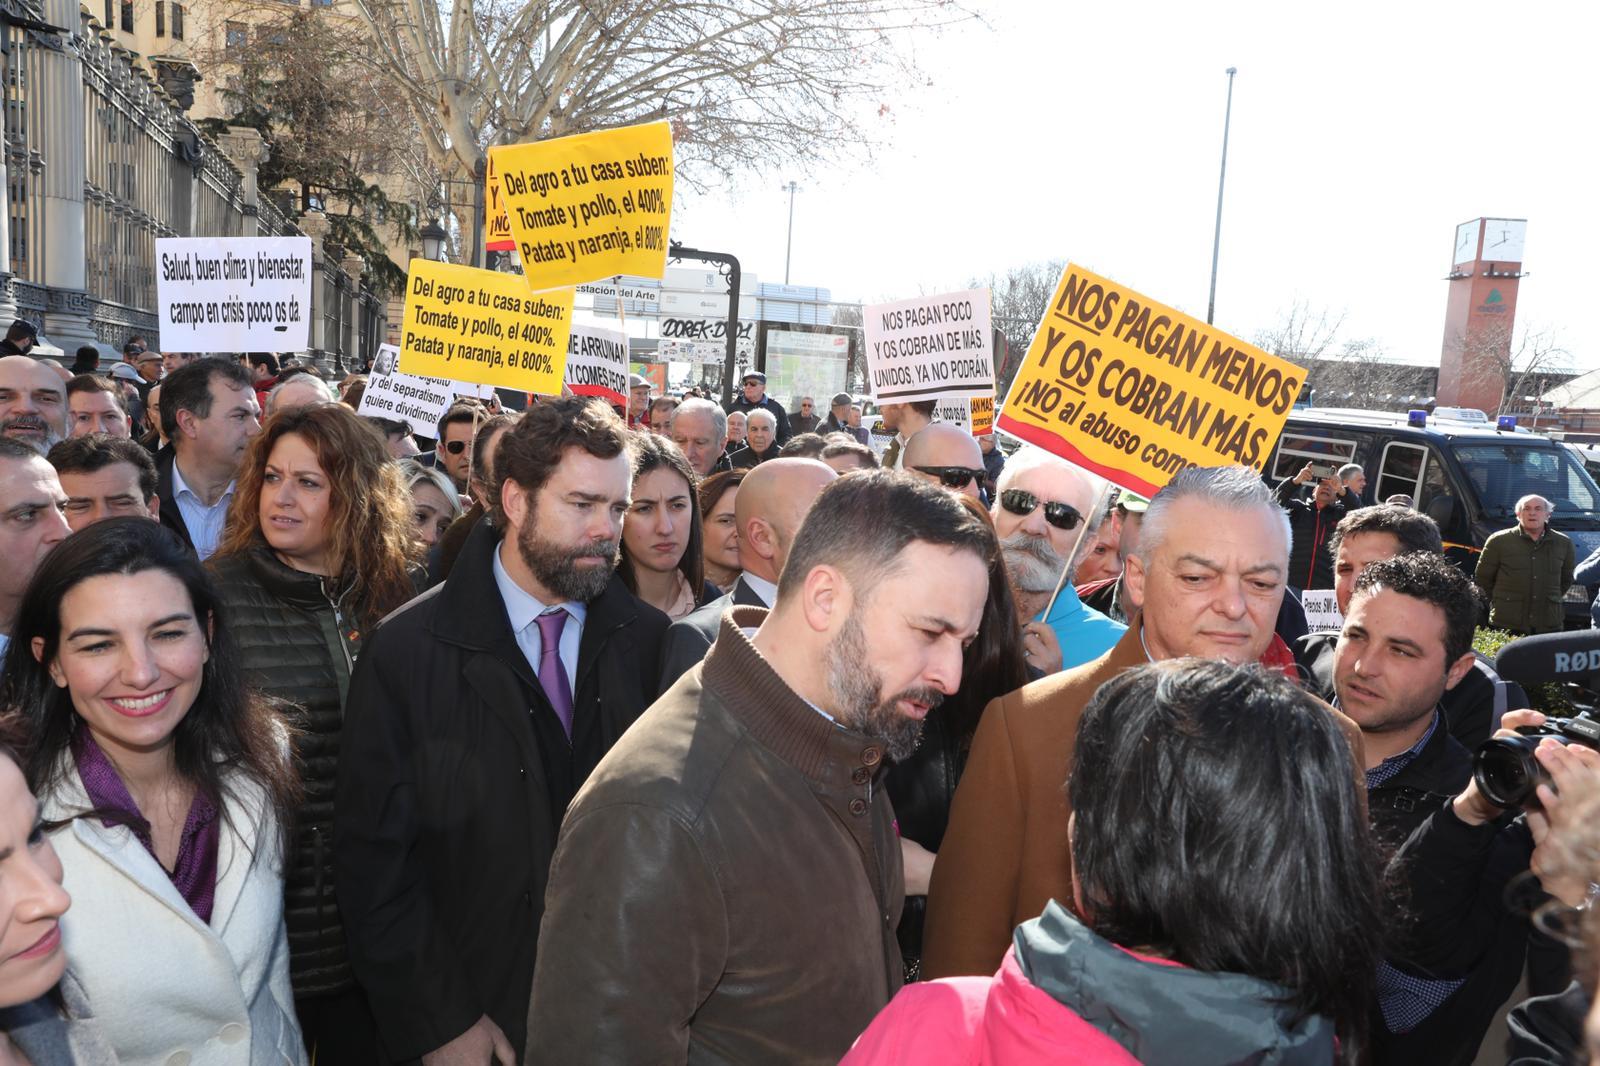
(930, 347)
(1136, 391)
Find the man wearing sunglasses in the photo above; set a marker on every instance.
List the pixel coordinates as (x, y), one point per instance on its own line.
(1039, 511)
(946, 455)
(806, 419)
(453, 454)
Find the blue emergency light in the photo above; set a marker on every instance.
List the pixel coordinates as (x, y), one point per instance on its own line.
(1506, 423)
(1417, 417)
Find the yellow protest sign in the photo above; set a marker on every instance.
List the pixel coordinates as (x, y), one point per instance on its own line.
(496, 226)
(982, 415)
(590, 206)
(1135, 391)
(464, 324)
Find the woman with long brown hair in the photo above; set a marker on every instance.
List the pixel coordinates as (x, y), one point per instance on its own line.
(720, 529)
(319, 547)
(662, 561)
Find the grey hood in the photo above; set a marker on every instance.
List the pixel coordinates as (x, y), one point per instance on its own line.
(1167, 1014)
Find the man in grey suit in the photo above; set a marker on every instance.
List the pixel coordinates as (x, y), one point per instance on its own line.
(773, 501)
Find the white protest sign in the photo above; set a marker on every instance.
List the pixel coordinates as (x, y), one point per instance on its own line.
(405, 397)
(975, 414)
(1322, 610)
(930, 347)
(234, 294)
(597, 363)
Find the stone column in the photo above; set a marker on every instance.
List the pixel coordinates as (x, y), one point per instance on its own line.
(246, 149)
(314, 224)
(60, 95)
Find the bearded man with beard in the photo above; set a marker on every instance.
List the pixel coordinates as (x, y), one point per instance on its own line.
(1039, 511)
(475, 713)
(33, 403)
(727, 884)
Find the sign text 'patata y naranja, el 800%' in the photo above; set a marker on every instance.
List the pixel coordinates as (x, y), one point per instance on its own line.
(589, 206)
(464, 324)
(1136, 391)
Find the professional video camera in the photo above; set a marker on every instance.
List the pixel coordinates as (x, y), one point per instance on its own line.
(1505, 768)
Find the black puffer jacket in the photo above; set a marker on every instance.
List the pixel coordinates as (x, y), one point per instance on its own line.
(299, 645)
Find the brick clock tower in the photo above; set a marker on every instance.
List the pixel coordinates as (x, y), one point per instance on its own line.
(1485, 266)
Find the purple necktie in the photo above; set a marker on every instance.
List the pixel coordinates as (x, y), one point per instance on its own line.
(552, 675)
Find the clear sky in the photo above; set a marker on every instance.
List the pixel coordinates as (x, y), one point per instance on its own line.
(1362, 135)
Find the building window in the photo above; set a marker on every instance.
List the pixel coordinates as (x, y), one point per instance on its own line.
(111, 16)
(161, 18)
(177, 21)
(322, 3)
(127, 16)
(237, 35)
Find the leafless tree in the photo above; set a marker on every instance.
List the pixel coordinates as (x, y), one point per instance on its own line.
(743, 82)
(1511, 360)
(1017, 302)
(1303, 335)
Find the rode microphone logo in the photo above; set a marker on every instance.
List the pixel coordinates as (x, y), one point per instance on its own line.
(1580, 662)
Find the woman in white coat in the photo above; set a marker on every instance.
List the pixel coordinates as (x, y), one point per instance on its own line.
(164, 781)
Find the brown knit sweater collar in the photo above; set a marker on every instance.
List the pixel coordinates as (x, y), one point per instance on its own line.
(776, 716)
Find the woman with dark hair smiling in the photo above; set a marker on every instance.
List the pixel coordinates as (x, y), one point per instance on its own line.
(662, 561)
(167, 785)
(1226, 904)
(319, 546)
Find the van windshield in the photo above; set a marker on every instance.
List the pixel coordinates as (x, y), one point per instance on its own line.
(1501, 474)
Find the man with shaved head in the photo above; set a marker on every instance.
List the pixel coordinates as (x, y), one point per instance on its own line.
(945, 455)
(33, 403)
(773, 501)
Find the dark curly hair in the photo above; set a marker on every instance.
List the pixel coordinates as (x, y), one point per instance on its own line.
(1433, 579)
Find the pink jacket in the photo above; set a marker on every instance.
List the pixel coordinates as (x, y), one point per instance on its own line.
(982, 1020)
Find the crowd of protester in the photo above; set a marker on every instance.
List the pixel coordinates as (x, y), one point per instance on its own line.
(668, 733)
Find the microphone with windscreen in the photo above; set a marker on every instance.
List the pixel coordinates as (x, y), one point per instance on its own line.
(1562, 657)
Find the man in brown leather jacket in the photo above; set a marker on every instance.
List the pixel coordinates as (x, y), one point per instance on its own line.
(727, 884)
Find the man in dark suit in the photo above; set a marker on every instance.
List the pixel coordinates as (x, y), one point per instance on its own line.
(773, 501)
(474, 716)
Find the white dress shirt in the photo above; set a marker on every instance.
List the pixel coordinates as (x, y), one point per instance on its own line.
(203, 523)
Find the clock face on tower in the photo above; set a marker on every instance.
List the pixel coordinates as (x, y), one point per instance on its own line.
(1503, 239)
(1466, 243)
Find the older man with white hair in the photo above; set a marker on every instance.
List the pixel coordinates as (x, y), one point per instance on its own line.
(1207, 577)
(761, 440)
(1040, 508)
(1526, 570)
(302, 390)
(700, 428)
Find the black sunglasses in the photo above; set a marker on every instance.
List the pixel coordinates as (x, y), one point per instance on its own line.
(953, 477)
(1022, 502)
(456, 447)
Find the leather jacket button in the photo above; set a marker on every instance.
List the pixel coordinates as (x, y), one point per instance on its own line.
(858, 807)
(871, 756)
(860, 775)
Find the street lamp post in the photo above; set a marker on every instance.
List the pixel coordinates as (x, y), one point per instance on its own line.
(793, 188)
(434, 237)
(1216, 239)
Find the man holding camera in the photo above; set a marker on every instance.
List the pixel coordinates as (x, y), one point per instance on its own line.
(1311, 523)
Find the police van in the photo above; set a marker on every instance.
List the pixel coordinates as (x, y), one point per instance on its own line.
(1466, 475)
